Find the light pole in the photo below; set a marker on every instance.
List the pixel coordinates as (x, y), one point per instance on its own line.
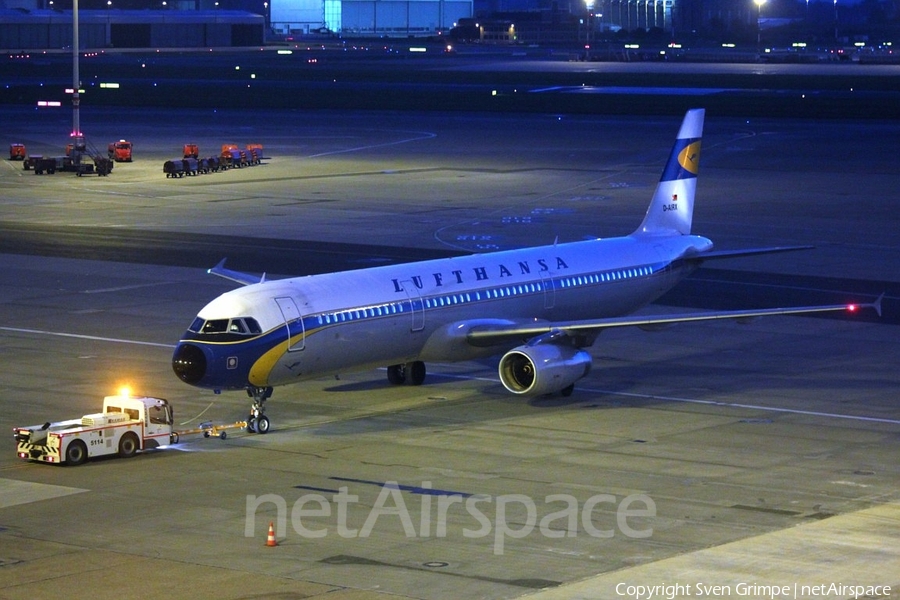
(76, 78)
(835, 21)
(589, 7)
(759, 5)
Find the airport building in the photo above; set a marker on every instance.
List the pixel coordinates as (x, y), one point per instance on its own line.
(29, 24)
(380, 18)
(52, 29)
(47, 24)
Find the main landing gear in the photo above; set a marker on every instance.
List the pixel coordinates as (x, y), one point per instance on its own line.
(257, 421)
(412, 373)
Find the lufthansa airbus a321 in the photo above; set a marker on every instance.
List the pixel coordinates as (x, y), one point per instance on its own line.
(538, 307)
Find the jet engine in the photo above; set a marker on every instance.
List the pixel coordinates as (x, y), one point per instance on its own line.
(543, 368)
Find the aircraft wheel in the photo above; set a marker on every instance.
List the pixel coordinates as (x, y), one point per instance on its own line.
(415, 372)
(251, 424)
(396, 374)
(262, 424)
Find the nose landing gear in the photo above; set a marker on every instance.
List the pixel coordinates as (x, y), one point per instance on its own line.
(257, 421)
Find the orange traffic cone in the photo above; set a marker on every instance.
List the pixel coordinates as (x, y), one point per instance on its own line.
(271, 540)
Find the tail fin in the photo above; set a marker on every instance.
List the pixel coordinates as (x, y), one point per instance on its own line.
(672, 207)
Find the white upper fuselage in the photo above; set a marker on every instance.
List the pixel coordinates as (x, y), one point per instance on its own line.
(394, 314)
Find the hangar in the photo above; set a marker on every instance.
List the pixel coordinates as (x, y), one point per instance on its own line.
(25, 28)
(22, 29)
(382, 18)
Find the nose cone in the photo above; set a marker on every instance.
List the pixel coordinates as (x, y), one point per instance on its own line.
(189, 363)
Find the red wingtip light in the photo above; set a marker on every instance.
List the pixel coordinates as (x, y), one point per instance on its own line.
(852, 307)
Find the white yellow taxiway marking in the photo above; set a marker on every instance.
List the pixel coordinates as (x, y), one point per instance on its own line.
(13, 492)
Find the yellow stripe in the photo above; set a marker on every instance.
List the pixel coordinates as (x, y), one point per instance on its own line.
(262, 368)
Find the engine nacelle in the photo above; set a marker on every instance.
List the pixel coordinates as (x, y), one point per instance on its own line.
(542, 368)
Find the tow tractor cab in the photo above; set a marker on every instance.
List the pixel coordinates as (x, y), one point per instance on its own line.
(126, 425)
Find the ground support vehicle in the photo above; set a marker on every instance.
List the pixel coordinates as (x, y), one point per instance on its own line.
(103, 166)
(234, 159)
(174, 168)
(120, 151)
(127, 425)
(190, 166)
(191, 151)
(208, 429)
(79, 165)
(42, 165)
(256, 149)
(17, 152)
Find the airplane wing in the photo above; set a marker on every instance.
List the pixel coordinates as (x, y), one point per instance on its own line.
(236, 276)
(493, 334)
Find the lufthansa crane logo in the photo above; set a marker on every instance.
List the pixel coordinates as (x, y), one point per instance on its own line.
(689, 158)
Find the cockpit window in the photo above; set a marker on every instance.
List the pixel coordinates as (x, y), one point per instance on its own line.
(215, 326)
(240, 326)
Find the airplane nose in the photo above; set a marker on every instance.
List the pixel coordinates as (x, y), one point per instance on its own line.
(189, 363)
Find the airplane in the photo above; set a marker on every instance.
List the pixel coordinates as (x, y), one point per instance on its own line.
(538, 307)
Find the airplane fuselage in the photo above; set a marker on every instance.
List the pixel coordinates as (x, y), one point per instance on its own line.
(354, 320)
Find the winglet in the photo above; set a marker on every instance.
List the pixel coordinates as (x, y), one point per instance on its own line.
(672, 207)
(877, 304)
(236, 276)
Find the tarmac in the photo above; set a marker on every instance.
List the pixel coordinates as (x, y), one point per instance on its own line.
(757, 457)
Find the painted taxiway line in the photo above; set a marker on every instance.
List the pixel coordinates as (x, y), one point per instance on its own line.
(776, 409)
(84, 337)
